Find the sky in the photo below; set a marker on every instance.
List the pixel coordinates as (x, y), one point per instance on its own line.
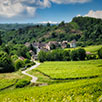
(43, 11)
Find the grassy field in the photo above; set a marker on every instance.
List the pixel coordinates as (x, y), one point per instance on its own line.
(93, 49)
(9, 79)
(87, 90)
(72, 69)
(81, 90)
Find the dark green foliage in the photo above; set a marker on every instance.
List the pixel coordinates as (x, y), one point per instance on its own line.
(22, 83)
(91, 57)
(100, 53)
(42, 56)
(81, 54)
(6, 64)
(74, 55)
(19, 64)
(26, 61)
(82, 29)
(32, 48)
(66, 55)
(53, 46)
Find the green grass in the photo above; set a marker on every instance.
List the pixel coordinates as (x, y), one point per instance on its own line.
(72, 69)
(93, 49)
(6, 83)
(81, 90)
(87, 90)
(9, 79)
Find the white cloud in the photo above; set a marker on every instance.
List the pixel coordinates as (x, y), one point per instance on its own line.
(11, 8)
(78, 15)
(69, 1)
(51, 22)
(95, 14)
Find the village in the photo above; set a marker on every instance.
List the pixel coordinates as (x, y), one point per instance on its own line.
(50, 46)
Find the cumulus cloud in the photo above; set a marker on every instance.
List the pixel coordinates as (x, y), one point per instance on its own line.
(95, 14)
(11, 8)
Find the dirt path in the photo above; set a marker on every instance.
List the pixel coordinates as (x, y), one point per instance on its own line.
(34, 79)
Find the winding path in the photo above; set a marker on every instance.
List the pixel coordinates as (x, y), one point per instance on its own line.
(34, 79)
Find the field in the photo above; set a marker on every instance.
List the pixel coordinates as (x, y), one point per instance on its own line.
(9, 79)
(93, 49)
(72, 69)
(87, 90)
(74, 81)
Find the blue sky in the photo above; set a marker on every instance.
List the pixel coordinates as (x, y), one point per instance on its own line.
(42, 11)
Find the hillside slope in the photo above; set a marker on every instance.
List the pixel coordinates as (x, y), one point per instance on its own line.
(86, 31)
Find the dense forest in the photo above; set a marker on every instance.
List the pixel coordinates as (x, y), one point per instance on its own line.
(85, 30)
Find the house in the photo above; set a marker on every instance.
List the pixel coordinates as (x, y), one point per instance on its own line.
(39, 46)
(49, 44)
(64, 44)
(27, 44)
(73, 44)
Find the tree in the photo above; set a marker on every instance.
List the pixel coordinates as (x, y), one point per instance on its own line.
(48, 24)
(19, 64)
(42, 56)
(81, 54)
(74, 55)
(100, 53)
(6, 64)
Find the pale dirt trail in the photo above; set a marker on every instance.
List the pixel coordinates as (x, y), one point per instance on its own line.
(34, 79)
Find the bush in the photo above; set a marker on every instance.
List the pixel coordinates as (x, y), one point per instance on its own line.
(5, 63)
(92, 56)
(42, 56)
(74, 55)
(19, 64)
(14, 57)
(22, 83)
(81, 54)
(100, 53)
(26, 61)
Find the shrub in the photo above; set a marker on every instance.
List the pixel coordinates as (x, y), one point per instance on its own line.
(42, 56)
(22, 83)
(26, 61)
(92, 56)
(19, 64)
(81, 54)
(100, 53)
(74, 55)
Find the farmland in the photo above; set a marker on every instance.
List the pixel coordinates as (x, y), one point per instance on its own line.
(93, 49)
(9, 79)
(71, 69)
(86, 90)
(86, 86)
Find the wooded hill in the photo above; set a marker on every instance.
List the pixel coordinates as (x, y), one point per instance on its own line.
(85, 30)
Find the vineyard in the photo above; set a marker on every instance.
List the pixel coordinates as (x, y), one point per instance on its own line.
(72, 69)
(78, 81)
(86, 90)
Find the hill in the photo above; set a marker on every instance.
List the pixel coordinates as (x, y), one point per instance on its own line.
(86, 31)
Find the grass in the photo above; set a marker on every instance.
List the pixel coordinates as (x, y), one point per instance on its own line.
(93, 49)
(87, 90)
(9, 79)
(72, 69)
(81, 90)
